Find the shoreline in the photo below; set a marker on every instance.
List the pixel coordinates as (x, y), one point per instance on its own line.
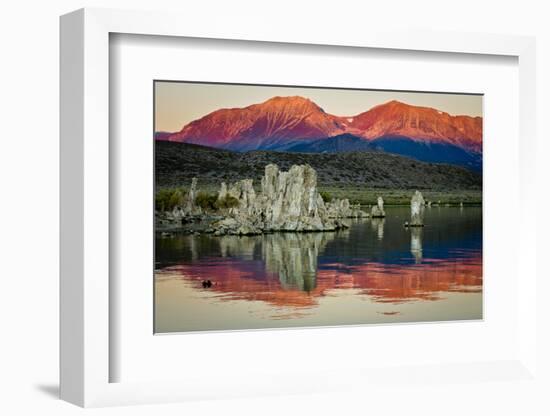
(200, 227)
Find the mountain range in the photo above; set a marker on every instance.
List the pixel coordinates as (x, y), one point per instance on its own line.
(297, 124)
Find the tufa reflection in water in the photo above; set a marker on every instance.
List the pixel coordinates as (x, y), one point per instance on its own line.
(416, 244)
(328, 277)
(284, 269)
(378, 226)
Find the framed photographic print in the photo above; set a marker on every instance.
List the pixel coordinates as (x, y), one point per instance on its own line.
(227, 198)
(289, 206)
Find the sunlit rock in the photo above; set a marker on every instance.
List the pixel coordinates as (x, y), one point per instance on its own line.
(377, 210)
(235, 226)
(288, 201)
(341, 208)
(293, 202)
(177, 213)
(191, 207)
(357, 212)
(243, 191)
(222, 194)
(417, 210)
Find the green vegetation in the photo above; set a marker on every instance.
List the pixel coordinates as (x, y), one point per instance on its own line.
(209, 201)
(227, 202)
(206, 201)
(326, 196)
(168, 198)
(356, 195)
(368, 196)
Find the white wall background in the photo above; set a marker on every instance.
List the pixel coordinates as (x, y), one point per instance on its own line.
(29, 206)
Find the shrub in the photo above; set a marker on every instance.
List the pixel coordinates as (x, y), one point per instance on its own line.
(326, 196)
(227, 202)
(162, 199)
(168, 198)
(176, 199)
(206, 201)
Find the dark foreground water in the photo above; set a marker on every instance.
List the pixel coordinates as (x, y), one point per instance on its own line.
(376, 271)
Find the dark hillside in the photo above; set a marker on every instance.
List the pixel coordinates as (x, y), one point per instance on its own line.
(177, 163)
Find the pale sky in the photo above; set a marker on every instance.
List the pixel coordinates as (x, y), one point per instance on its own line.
(178, 103)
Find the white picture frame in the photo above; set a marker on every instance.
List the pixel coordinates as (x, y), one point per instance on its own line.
(85, 220)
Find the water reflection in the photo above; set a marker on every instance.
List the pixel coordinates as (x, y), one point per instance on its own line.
(328, 278)
(416, 243)
(378, 226)
(294, 280)
(294, 257)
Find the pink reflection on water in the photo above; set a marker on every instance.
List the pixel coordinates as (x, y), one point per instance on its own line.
(394, 284)
(397, 284)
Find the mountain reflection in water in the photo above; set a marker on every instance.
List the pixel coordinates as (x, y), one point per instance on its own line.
(375, 271)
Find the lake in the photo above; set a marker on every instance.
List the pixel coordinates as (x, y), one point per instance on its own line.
(377, 271)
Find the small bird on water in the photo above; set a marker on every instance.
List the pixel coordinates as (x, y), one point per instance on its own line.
(206, 283)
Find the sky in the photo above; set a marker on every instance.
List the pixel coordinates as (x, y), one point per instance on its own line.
(178, 103)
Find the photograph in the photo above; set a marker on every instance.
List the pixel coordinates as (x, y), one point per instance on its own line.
(282, 206)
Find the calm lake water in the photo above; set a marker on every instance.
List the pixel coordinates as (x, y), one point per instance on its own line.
(376, 271)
